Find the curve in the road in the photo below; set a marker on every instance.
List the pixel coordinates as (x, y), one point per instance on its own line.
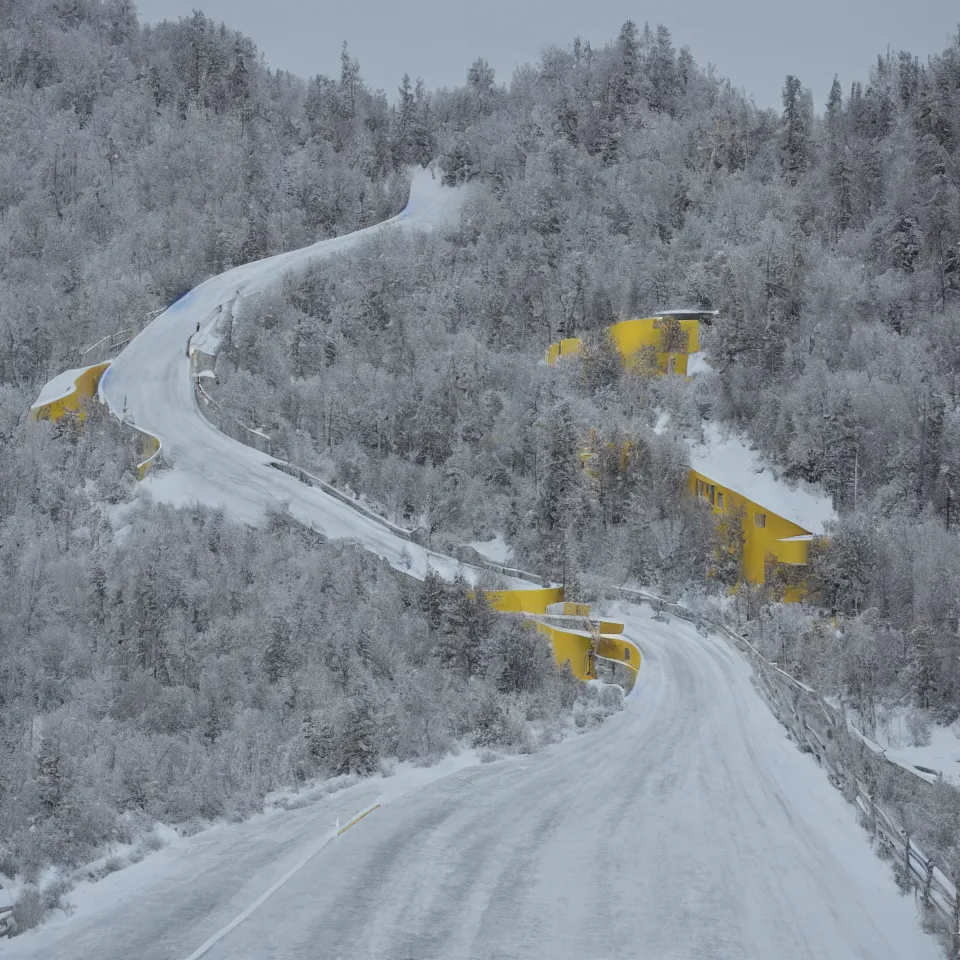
(688, 826)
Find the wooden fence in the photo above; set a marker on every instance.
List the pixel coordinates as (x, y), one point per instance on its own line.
(819, 729)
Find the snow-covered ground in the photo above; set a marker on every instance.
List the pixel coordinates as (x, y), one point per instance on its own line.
(497, 550)
(151, 381)
(728, 460)
(687, 826)
(902, 736)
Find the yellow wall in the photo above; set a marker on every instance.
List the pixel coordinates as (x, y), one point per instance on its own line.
(574, 647)
(621, 650)
(569, 646)
(564, 348)
(631, 336)
(149, 448)
(757, 541)
(84, 389)
(524, 601)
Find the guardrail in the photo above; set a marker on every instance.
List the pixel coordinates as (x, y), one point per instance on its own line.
(105, 347)
(931, 879)
(248, 435)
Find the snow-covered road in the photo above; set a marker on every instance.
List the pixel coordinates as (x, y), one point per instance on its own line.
(150, 383)
(687, 826)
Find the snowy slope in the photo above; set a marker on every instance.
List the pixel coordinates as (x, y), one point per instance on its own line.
(687, 826)
(150, 380)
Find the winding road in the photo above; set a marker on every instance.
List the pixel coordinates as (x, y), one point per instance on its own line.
(150, 384)
(687, 826)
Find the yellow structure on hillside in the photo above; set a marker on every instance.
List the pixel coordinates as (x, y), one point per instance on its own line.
(68, 393)
(670, 338)
(764, 533)
(72, 391)
(575, 637)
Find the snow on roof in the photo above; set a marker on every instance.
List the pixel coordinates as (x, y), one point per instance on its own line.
(728, 461)
(60, 386)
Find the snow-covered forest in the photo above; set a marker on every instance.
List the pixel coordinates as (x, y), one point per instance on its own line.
(152, 671)
(149, 670)
(612, 183)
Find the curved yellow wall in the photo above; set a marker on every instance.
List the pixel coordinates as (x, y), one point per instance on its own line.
(149, 450)
(574, 647)
(524, 601)
(84, 389)
(570, 644)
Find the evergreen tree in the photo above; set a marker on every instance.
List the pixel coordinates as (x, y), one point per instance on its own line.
(796, 128)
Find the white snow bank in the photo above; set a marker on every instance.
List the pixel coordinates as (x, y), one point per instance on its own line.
(60, 386)
(896, 735)
(727, 460)
(663, 419)
(697, 363)
(496, 550)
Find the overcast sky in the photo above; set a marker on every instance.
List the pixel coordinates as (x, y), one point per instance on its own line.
(753, 42)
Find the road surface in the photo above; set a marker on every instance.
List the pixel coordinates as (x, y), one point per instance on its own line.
(150, 383)
(687, 826)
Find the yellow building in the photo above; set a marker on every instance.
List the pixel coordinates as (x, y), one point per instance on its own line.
(672, 338)
(765, 533)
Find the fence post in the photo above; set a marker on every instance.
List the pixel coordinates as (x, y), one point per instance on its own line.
(927, 884)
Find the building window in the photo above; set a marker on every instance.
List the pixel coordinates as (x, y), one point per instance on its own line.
(626, 653)
(719, 500)
(760, 519)
(713, 491)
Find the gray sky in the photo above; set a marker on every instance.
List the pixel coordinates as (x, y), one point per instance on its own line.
(753, 42)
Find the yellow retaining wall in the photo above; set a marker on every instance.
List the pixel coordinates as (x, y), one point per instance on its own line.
(150, 451)
(758, 541)
(632, 336)
(573, 647)
(621, 650)
(570, 647)
(84, 389)
(570, 644)
(524, 601)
